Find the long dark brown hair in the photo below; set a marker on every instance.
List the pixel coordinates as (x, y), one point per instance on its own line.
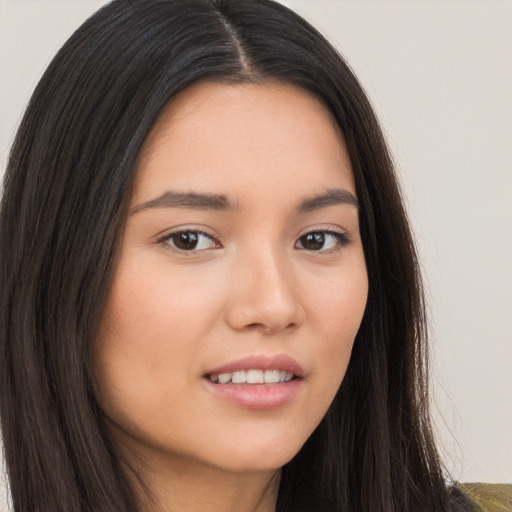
(66, 191)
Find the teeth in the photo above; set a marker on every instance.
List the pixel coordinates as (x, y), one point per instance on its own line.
(255, 377)
(252, 377)
(272, 376)
(239, 377)
(224, 378)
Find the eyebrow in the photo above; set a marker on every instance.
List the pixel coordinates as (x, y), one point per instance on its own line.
(220, 202)
(331, 197)
(171, 199)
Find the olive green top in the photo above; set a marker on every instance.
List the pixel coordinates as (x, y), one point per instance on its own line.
(489, 497)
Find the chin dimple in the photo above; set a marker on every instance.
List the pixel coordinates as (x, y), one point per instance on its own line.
(252, 377)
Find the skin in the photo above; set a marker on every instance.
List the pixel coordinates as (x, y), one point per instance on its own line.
(251, 286)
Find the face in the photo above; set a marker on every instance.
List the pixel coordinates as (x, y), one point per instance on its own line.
(240, 284)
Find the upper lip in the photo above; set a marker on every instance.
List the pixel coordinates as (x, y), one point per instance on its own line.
(281, 362)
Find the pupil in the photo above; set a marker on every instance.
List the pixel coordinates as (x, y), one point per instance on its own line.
(313, 241)
(186, 241)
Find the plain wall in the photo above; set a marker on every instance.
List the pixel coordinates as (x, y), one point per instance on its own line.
(439, 74)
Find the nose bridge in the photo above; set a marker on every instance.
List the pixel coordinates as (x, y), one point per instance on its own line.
(273, 278)
(265, 291)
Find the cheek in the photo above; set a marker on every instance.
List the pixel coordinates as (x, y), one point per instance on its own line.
(152, 309)
(336, 310)
(153, 327)
(337, 302)
(142, 351)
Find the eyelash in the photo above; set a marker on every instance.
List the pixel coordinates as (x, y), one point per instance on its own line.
(342, 241)
(166, 240)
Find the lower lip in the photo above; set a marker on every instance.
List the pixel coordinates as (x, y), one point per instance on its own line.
(258, 397)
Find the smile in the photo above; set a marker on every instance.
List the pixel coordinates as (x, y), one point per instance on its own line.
(252, 376)
(259, 382)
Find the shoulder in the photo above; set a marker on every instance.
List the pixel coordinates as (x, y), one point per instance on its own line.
(481, 497)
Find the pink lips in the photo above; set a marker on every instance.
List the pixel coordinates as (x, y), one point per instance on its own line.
(259, 397)
(279, 362)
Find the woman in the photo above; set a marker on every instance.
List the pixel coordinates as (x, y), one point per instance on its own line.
(210, 294)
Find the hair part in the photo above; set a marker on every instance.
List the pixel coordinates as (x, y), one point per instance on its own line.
(66, 194)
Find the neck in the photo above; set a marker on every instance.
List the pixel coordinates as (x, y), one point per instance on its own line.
(185, 486)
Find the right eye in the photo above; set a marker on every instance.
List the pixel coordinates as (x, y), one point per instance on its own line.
(189, 241)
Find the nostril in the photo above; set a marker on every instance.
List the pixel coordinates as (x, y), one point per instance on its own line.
(258, 325)
(254, 311)
(269, 328)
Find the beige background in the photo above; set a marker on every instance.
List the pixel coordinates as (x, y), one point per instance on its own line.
(439, 73)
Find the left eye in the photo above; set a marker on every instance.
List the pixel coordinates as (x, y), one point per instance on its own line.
(321, 241)
(190, 241)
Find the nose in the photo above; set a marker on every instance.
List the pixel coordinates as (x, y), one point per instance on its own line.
(264, 294)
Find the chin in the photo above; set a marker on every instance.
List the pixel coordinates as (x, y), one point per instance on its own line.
(258, 457)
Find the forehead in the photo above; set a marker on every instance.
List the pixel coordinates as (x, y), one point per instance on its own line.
(215, 136)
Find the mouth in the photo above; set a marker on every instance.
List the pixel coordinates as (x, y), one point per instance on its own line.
(257, 369)
(257, 382)
(252, 376)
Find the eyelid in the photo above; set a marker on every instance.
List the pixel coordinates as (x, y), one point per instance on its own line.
(162, 240)
(342, 236)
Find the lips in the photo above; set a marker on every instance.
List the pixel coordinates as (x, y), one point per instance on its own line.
(257, 382)
(278, 362)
